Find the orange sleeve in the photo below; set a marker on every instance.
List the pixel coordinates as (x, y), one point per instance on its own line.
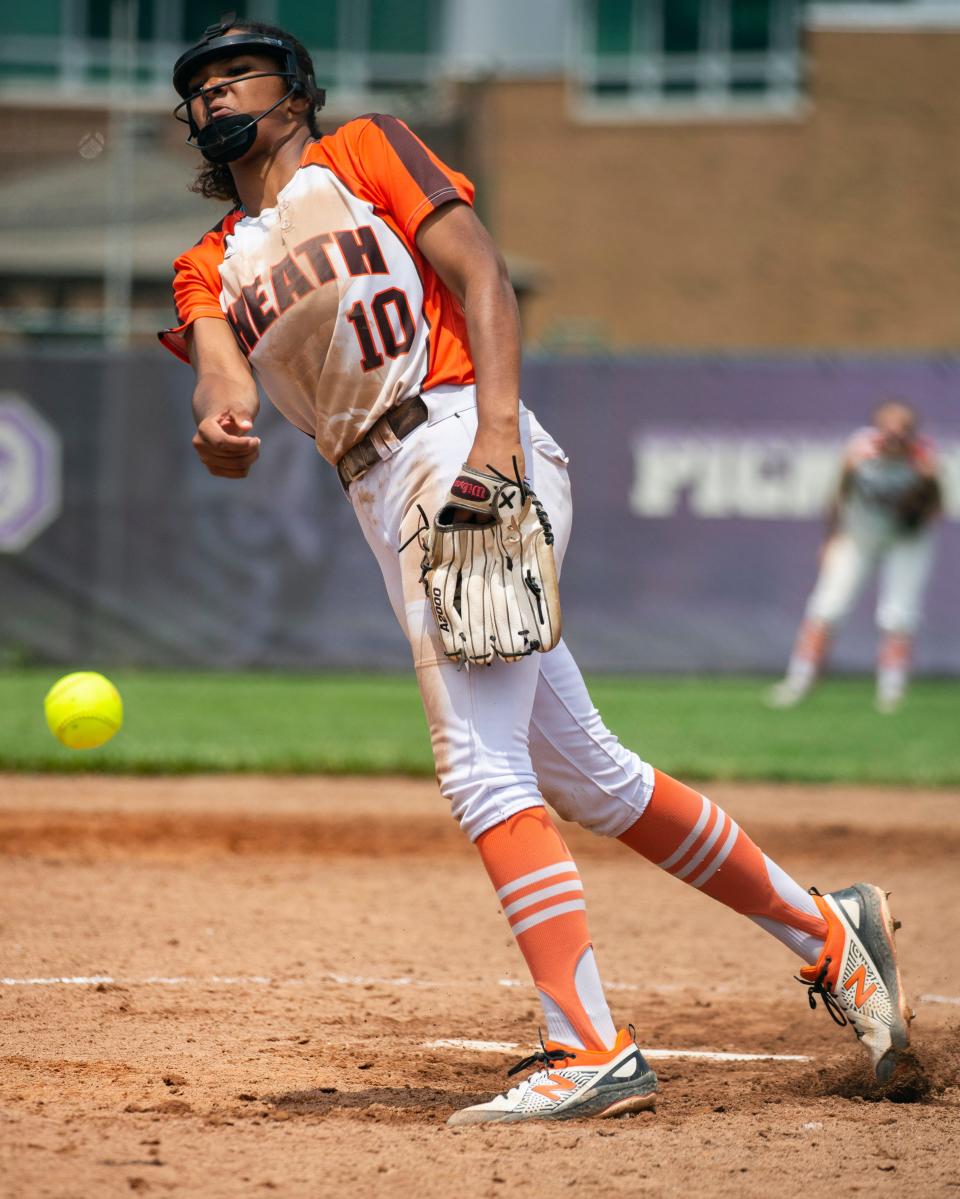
(196, 285)
(925, 455)
(394, 169)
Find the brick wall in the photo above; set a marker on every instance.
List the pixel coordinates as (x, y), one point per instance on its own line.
(837, 229)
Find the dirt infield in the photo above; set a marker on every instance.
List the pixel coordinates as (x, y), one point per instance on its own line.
(230, 986)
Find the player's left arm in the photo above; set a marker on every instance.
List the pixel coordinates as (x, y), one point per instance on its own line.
(464, 255)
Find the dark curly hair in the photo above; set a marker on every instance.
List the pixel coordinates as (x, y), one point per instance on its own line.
(215, 180)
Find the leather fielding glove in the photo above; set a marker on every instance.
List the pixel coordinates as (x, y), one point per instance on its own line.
(489, 570)
(916, 506)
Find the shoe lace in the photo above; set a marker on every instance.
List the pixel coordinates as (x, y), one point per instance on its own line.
(525, 491)
(517, 477)
(423, 525)
(543, 1057)
(817, 988)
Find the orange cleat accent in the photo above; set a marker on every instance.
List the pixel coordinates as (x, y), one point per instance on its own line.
(856, 975)
(572, 1084)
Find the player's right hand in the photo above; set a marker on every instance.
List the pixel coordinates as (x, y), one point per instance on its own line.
(225, 446)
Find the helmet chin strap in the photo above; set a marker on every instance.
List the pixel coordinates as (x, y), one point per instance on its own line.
(225, 139)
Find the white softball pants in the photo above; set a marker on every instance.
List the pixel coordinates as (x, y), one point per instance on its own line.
(507, 736)
(904, 562)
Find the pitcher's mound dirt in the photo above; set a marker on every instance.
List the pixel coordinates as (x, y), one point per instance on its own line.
(263, 962)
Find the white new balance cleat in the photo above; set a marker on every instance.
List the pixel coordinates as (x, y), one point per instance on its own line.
(572, 1084)
(857, 976)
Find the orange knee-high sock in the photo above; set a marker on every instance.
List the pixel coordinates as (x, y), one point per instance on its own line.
(539, 887)
(809, 652)
(893, 663)
(694, 840)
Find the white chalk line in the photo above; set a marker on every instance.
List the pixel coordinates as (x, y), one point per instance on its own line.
(347, 980)
(221, 980)
(262, 980)
(718, 1056)
(706, 1055)
(475, 1046)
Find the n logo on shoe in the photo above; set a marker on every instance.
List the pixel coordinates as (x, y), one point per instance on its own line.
(556, 1088)
(857, 979)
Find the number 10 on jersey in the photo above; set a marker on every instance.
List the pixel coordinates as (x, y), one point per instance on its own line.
(393, 322)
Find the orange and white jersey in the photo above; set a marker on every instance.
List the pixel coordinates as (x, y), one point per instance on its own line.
(338, 313)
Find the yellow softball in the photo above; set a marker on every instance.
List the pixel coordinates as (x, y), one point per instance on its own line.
(83, 709)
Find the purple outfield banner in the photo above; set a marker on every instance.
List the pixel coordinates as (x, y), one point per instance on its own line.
(700, 488)
(29, 473)
(699, 491)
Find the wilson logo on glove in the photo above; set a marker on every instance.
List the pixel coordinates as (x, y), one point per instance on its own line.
(464, 489)
(489, 570)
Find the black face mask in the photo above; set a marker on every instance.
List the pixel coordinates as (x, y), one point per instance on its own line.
(225, 139)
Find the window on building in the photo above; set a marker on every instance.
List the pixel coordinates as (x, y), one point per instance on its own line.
(359, 46)
(367, 45)
(699, 55)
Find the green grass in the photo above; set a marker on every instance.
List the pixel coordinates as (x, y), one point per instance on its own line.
(713, 728)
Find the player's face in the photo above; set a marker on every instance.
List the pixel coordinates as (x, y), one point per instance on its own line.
(897, 426)
(228, 89)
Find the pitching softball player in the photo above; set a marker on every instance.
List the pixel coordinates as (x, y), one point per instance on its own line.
(882, 519)
(352, 280)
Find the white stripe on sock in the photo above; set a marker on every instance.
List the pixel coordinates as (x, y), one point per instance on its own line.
(789, 890)
(586, 979)
(559, 1028)
(535, 877)
(558, 909)
(697, 830)
(804, 945)
(720, 858)
(704, 849)
(571, 884)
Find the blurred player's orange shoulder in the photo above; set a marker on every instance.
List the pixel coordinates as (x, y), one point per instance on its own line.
(924, 453)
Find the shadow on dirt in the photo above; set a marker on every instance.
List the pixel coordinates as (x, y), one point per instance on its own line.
(398, 1103)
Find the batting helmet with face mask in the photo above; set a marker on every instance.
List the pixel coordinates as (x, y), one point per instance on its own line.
(225, 139)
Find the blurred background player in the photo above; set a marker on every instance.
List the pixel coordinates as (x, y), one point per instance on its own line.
(881, 519)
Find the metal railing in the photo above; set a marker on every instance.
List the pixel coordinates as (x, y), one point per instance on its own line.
(54, 71)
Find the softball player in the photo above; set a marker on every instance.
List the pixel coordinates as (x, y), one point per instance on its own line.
(352, 280)
(881, 519)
